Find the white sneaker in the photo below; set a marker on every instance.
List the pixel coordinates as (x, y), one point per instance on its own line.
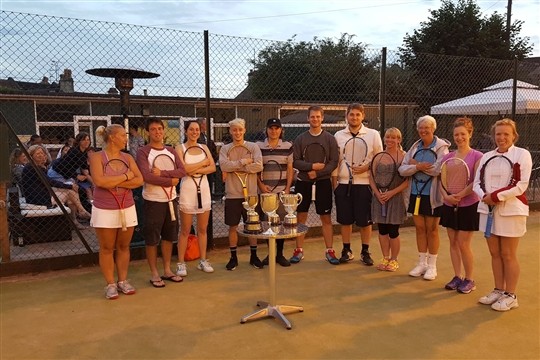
(205, 266)
(505, 303)
(491, 298)
(431, 273)
(419, 270)
(181, 269)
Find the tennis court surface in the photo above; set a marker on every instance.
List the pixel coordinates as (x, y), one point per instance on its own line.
(350, 311)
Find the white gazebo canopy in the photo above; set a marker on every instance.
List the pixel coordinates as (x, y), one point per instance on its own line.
(495, 99)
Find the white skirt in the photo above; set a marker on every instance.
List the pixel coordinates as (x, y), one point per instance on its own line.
(188, 196)
(508, 226)
(110, 219)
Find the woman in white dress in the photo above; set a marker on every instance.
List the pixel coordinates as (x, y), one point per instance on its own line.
(509, 215)
(198, 163)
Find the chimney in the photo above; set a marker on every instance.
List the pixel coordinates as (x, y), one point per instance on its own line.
(66, 82)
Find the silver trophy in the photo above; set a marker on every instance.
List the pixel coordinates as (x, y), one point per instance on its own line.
(290, 203)
(253, 224)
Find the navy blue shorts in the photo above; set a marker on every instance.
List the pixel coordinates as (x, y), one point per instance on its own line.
(355, 208)
(323, 196)
(466, 218)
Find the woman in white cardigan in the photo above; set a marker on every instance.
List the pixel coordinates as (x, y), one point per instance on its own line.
(509, 216)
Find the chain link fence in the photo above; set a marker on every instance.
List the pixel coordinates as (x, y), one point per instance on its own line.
(45, 89)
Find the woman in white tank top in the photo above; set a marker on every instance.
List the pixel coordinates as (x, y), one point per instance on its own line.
(195, 197)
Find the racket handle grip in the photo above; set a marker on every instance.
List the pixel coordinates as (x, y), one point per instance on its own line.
(383, 210)
(416, 205)
(489, 224)
(199, 200)
(171, 210)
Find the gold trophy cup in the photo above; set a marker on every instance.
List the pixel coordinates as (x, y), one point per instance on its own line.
(269, 204)
(253, 224)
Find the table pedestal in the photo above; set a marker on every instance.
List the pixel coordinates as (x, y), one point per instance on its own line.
(269, 309)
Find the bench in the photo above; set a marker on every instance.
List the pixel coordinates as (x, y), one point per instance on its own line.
(31, 224)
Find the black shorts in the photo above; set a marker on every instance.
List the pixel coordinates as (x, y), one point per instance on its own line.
(465, 219)
(233, 211)
(323, 196)
(355, 208)
(158, 224)
(425, 206)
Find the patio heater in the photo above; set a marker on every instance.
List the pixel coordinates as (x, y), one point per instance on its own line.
(123, 81)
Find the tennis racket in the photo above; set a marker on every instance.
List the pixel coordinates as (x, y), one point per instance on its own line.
(354, 154)
(238, 153)
(118, 167)
(272, 174)
(420, 178)
(166, 162)
(314, 153)
(495, 174)
(383, 171)
(192, 155)
(455, 177)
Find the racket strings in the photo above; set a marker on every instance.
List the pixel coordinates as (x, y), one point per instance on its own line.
(193, 155)
(238, 153)
(315, 153)
(455, 175)
(355, 151)
(497, 174)
(272, 174)
(383, 169)
(113, 168)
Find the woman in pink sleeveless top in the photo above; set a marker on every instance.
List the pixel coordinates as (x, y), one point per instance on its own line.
(106, 217)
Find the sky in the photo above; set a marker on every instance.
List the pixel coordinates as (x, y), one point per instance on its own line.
(382, 23)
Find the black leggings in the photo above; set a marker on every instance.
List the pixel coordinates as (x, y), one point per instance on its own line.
(389, 229)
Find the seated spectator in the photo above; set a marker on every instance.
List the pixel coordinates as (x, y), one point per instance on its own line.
(37, 193)
(74, 165)
(37, 140)
(17, 160)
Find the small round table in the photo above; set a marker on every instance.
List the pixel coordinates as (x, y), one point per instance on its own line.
(271, 309)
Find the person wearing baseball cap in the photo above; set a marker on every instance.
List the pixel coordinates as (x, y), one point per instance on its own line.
(276, 151)
(273, 122)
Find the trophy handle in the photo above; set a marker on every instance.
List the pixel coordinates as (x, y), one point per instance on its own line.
(300, 198)
(281, 196)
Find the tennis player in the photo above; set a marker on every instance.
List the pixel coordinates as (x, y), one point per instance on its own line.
(354, 205)
(315, 173)
(394, 202)
(509, 216)
(159, 228)
(106, 220)
(461, 223)
(198, 167)
(234, 196)
(427, 220)
(274, 149)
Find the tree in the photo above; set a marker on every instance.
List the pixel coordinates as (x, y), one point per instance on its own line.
(458, 29)
(457, 52)
(321, 70)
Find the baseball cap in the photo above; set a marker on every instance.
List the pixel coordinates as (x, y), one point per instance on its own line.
(273, 122)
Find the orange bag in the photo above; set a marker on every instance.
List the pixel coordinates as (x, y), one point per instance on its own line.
(192, 250)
